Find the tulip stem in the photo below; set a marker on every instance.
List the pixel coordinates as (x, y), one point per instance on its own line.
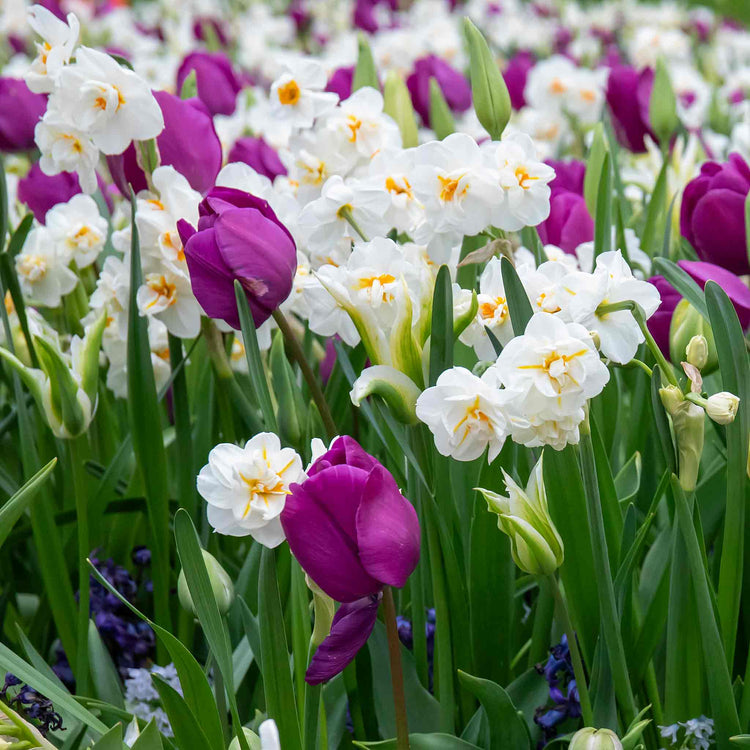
(575, 654)
(312, 382)
(397, 675)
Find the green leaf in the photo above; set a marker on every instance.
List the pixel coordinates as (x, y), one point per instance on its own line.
(603, 215)
(519, 306)
(365, 73)
(594, 165)
(187, 731)
(14, 508)
(149, 738)
(441, 336)
(145, 427)
(507, 727)
(106, 681)
(290, 415)
(3, 205)
(653, 213)
(662, 108)
(743, 740)
(441, 117)
(423, 742)
(735, 378)
(683, 283)
(277, 678)
(628, 479)
(112, 740)
(189, 88)
(18, 238)
(254, 361)
(662, 421)
(397, 104)
(10, 281)
(195, 686)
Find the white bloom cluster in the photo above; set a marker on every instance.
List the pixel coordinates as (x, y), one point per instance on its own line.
(693, 734)
(142, 700)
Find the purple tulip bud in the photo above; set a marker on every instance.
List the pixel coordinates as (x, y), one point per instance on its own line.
(353, 532)
(20, 110)
(188, 143)
(712, 214)
(569, 176)
(515, 75)
(238, 237)
(629, 96)
(455, 87)
(217, 83)
(259, 155)
(569, 223)
(341, 82)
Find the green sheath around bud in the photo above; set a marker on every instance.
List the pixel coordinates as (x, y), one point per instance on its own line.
(595, 739)
(696, 352)
(688, 421)
(488, 90)
(397, 104)
(441, 117)
(221, 584)
(396, 389)
(662, 107)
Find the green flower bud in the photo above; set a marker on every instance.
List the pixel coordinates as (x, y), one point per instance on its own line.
(722, 407)
(16, 733)
(595, 739)
(365, 73)
(397, 104)
(395, 388)
(662, 108)
(441, 117)
(488, 90)
(688, 423)
(221, 584)
(252, 740)
(524, 516)
(696, 352)
(687, 323)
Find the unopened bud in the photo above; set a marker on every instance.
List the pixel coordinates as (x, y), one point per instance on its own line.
(252, 740)
(595, 739)
(696, 352)
(688, 423)
(221, 584)
(722, 407)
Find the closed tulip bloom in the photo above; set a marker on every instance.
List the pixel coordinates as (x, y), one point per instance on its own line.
(188, 143)
(41, 192)
(238, 237)
(20, 110)
(256, 153)
(712, 214)
(569, 223)
(353, 533)
(453, 84)
(217, 82)
(628, 97)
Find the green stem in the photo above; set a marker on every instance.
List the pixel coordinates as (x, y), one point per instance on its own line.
(77, 452)
(345, 212)
(312, 382)
(607, 603)
(640, 318)
(583, 691)
(397, 675)
(312, 710)
(181, 407)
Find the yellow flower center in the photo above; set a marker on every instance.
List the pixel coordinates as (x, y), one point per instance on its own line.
(289, 93)
(162, 288)
(449, 188)
(523, 177)
(487, 309)
(404, 188)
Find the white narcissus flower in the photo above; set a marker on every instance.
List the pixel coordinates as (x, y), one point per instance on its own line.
(297, 96)
(465, 414)
(113, 291)
(611, 282)
(168, 295)
(524, 181)
(110, 103)
(42, 270)
(246, 488)
(78, 230)
(722, 407)
(550, 83)
(66, 148)
(54, 51)
(544, 286)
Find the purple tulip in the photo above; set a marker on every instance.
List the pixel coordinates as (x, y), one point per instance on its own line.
(515, 75)
(20, 111)
(455, 87)
(659, 323)
(238, 237)
(341, 82)
(216, 81)
(712, 214)
(188, 143)
(364, 16)
(259, 155)
(201, 26)
(628, 96)
(353, 533)
(569, 176)
(569, 222)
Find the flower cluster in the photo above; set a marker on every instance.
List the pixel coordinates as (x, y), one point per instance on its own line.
(142, 699)
(696, 734)
(30, 704)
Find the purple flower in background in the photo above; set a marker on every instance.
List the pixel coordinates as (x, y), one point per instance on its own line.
(238, 237)
(406, 636)
(31, 705)
(215, 78)
(205, 28)
(569, 176)
(558, 671)
(515, 74)
(188, 143)
(364, 16)
(20, 110)
(341, 82)
(660, 321)
(259, 155)
(353, 533)
(569, 223)
(712, 213)
(453, 84)
(628, 97)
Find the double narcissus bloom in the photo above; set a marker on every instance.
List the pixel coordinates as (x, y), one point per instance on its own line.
(353, 533)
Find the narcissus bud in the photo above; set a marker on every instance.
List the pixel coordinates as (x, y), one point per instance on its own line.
(722, 407)
(696, 352)
(687, 324)
(221, 584)
(395, 388)
(595, 739)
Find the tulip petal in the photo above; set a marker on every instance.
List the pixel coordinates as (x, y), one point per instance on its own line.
(344, 450)
(317, 538)
(387, 530)
(350, 629)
